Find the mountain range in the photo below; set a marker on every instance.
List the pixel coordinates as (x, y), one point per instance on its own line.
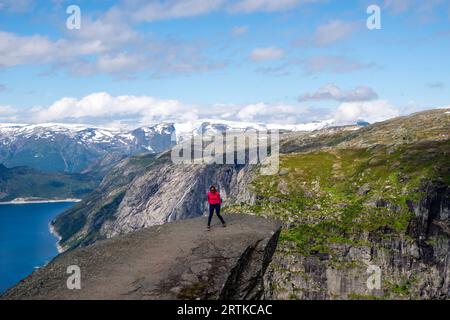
(78, 148)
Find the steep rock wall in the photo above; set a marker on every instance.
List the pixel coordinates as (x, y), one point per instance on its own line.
(415, 266)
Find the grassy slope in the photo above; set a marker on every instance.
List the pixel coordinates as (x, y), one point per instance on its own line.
(323, 193)
(339, 192)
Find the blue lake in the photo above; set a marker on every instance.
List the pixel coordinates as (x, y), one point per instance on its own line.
(25, 239)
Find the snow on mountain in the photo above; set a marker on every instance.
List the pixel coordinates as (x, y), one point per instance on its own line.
(74, 147)
(77, 147)
(212, 126)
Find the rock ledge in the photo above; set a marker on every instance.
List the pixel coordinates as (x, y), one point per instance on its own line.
(179, 260)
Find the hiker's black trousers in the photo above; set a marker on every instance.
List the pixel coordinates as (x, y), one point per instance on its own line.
(213, 207)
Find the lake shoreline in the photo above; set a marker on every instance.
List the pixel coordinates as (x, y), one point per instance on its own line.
(38, 201)
(30, 239)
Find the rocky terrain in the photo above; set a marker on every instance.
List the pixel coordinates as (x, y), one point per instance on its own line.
(351, 199)
(145, 191)
(358, 200)
(179, 260)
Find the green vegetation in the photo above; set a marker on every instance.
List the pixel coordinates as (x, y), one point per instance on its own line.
(142, 160)
(401, 288)
(23, 182)
(355, 296)
(353, 195)
(194, 291)
(74, 220)
(339, 196)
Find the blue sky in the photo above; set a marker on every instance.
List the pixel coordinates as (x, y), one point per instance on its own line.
(286, 61)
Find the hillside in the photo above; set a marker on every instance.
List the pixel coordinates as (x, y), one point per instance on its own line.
(349, 197)
(77, 148)
(179, 260)
(377, 196)
(23, 182)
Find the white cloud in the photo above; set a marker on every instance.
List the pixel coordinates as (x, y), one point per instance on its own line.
(397, 6)
(103, 47)
(16, 50)
(109, 32)
(106, 35)
(266, 54)
(16, 5)
(332, 64)
(8, 114)
(333, 31)
(127, 111)
(36, 49)
(239, 30)
(264, 112)
(370, 111)
(101, 108)
(6, 110)
(154, 10)
(120, 62)
(424, 10)
(104, 107)
(110, 43)
(248, 6)
(436, 85)
(147, 11)
(333, 92)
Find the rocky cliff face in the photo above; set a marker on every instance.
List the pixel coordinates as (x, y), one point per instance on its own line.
(172, 193)
(412, 266)
(179, 260)
(145, 191)
(358, 204)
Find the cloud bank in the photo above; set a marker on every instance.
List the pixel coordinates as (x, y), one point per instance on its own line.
(333, 92)
(370, 111)
(130, 111)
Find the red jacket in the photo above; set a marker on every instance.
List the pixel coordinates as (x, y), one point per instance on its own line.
(214, 198)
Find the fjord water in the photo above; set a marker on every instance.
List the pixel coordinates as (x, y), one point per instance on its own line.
(25, 239)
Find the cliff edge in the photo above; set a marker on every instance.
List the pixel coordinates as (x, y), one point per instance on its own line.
(179, 260)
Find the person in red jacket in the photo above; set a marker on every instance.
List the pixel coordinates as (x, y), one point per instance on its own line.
(214, 201)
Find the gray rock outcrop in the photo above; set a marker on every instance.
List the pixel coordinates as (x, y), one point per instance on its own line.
(135, 196)
(414, 266)
(179, 260)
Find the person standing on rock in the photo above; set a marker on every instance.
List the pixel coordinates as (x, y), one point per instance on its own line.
(214, 201)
